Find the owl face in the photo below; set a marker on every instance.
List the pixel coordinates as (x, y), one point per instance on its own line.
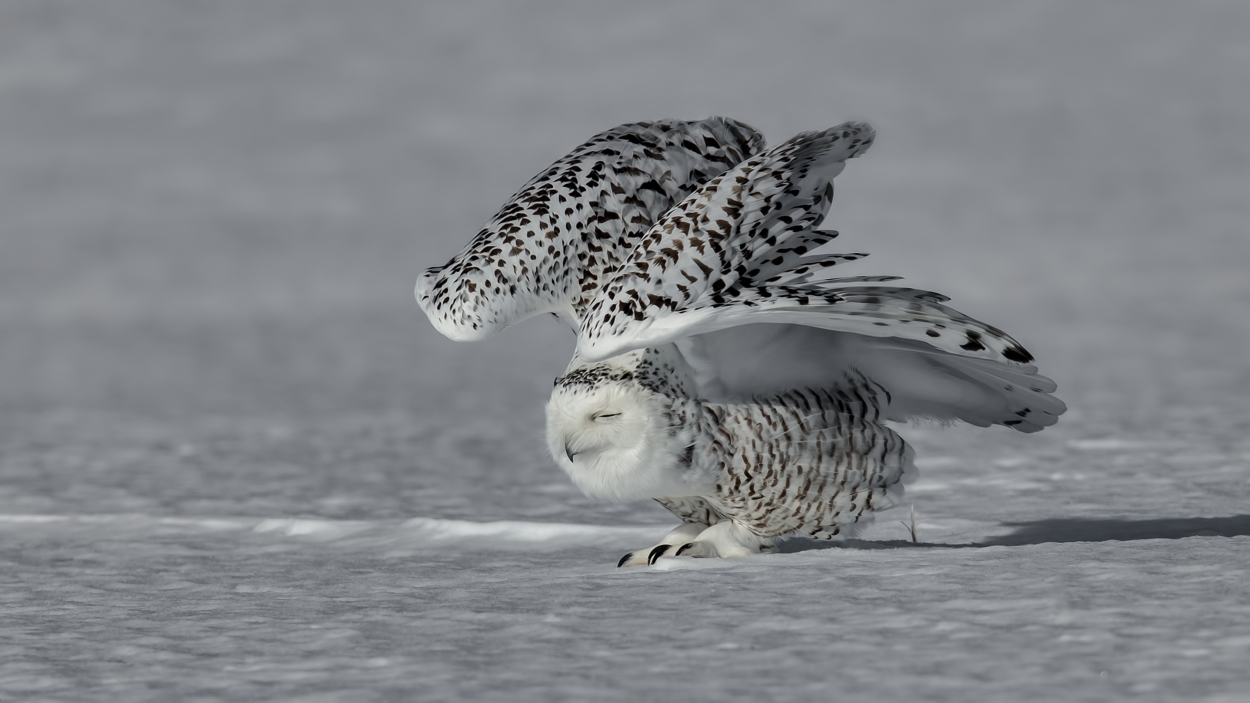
(613, 439)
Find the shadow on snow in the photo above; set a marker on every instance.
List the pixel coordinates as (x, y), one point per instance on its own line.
(1060, 530)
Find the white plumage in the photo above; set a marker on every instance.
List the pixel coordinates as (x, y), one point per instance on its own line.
(720, 368)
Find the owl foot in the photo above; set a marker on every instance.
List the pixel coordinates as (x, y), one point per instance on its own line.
(725, 539)
(667, 546)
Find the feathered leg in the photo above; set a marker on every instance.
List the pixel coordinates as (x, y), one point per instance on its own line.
(727, 539)
(671, 541)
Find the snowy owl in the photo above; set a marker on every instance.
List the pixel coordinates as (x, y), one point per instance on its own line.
(720, 368)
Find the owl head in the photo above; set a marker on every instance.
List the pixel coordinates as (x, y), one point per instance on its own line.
(616, 437)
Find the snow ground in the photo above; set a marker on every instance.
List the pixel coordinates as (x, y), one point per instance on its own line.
(236, 463)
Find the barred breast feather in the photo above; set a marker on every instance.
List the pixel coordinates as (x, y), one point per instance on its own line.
(807, 462)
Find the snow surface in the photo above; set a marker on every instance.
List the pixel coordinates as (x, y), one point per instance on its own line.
(236, 462)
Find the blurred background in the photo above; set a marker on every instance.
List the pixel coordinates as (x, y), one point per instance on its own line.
(212, 215)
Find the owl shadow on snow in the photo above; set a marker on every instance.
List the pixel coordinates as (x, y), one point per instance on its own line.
(1058, 530)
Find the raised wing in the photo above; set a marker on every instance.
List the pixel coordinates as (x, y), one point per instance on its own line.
(739, 252)
(918, 381)
(735, 253)
(554, 243)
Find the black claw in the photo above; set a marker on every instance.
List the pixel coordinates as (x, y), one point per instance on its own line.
(624, 559)
(684, 547)
(657, 553)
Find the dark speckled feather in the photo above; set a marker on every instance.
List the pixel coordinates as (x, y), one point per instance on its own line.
(554, 243)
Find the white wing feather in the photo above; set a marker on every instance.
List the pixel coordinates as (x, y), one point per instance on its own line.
(761, 360)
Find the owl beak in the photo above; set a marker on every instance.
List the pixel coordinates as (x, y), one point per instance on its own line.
(569, 452)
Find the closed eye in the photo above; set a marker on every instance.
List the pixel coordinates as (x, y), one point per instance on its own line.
(606, 416)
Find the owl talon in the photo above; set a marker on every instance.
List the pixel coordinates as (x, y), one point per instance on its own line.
(636, 558)
(659, 551)
(646, 557)
(724, 540)
(699, 550)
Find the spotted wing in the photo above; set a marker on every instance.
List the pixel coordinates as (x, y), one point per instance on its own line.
(736, 252)
(740, 252)
(554, 243)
